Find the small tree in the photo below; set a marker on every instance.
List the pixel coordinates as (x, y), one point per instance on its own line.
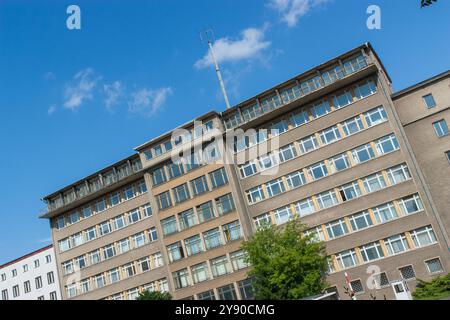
(286, 264)
(433, 290)
(154, 295)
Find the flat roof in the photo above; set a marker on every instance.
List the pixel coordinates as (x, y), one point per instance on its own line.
(420, 85)
(25, 256)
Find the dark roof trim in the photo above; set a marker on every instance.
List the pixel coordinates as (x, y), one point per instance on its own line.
(420, 85)
(25, 256)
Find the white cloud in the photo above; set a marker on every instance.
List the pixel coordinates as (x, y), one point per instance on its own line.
(51, 110)
(113, 93)
(84, 82)
(292, 10)
(148, 101)
(249, 46)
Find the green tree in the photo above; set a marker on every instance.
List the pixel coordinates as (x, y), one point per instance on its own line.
(286, 264)
(433, 290)
(154, 295)
(426, 3)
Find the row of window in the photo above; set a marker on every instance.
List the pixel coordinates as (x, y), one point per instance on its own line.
(208, 240)
(434, 266)
(363, 186)
(294, 92)
(90, 186)
(27, 286)
(192, 189)
(387, 247)
(369, 218)
(111, 200)
(210, 269)
(115, 275)
(315, 141)
(295, 120)
(158, 285)
(25, 267)
(321, 170)
(167, 146)
(200, 214)
(109, 251)
(228, 292)
(105, 228)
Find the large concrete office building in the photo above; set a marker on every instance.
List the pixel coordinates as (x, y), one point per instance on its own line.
(346, 155)
(31, 277)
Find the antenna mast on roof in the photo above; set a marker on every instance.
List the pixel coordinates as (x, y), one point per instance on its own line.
(208, 36)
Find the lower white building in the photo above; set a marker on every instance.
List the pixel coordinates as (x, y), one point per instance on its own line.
(31, 277)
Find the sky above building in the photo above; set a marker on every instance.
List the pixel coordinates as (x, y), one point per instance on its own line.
(75, 101)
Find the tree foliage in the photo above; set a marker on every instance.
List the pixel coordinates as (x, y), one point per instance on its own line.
(433, 290)
(154, 295)
(285, 263)
(426, 3)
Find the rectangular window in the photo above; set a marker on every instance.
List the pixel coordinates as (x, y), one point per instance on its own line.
(305, 207)
(387, 145)
(80, 262)
(38, 282)
(374, 183)
(434, 266)
(441, 128)
(53, 295)
(318, 171)
(339, 163)
(423, 237)
(332, 75)
(350, 191)
(139, 240)
(123, 246)
(232, 231)
(363, 154)
(159, 176)
(77, 239)
(396, 244)
(95, 257)
(164, 200)
(114, 198)
(205, 296)
(371, 252)
(169, 226)
(291, 94)
(199, 186)
(275, 187)
(105, 228)
(308, 144)
(385, 213)
(27, 286)
(218, 178)
(109, 251)
(360, 221)
(336, 229)
(295, 180)
(375, 116)
(181, 279)
(50, 277)
(330, 135)
(16, 291)
(220, 266)
(239, 260)
(287, 153)
(407, 272)
(320, 109)
(283, 215)
(248, 169)
(74, 217)
(327, 199)
(268, 161)
(114, 276)
(194, 245)
(129, 270)
(225, 204)
(192, 161)
(365, 90)
(255, 195)
(100, 206)
(278, 128)
(357, 286)
(398, 174)
(175, 170)
(91, 234)
(134, 216)
(205, 212)
(299, 118)
(411, 205)
(352, 126)
(181, 193)
(263, 221)
(212, 238)
(175, 251)
(5, 295)
(187, 219)
(227, 292)
(347, 259)
(200, 272)
(342, 100)
(429, 101)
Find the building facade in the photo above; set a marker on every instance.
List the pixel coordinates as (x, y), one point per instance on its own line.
(331, 146)
(31, 277)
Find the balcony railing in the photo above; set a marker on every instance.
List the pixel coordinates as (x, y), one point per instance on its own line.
(296, 91)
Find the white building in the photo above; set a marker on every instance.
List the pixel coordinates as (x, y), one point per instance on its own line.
(31, 277)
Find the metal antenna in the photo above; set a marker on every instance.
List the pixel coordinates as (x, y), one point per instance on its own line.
(208, 36)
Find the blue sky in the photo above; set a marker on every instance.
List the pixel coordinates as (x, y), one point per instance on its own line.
(75, 101)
